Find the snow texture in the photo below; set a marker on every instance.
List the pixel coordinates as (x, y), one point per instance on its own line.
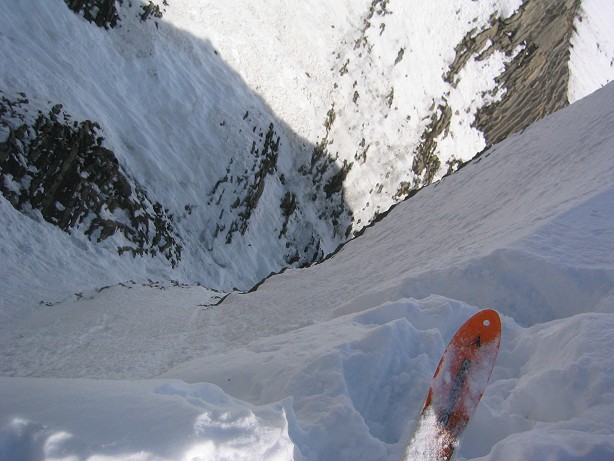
(334, 363)
(328, 362)
(427, 443)
(592, 53)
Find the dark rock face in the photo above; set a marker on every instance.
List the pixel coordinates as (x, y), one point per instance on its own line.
(249, 186)
(534, 83)
(327, 180)
(537, 79)
(104, 13)
(58, 166)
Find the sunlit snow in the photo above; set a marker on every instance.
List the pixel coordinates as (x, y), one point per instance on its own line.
(99, 363)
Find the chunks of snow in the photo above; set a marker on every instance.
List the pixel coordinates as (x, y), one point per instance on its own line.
(137, 420)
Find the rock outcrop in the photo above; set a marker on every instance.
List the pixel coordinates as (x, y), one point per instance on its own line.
(56, 166)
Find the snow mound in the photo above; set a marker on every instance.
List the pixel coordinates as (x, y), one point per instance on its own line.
(138, 421)
(550, 395)
(365, 377)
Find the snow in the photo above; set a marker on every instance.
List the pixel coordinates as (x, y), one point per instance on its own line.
(140, 87)
(423, 31)
(591, 62)
(334, 361)
(464, 105)
(329, 362)
(107, 422)
(426, 443)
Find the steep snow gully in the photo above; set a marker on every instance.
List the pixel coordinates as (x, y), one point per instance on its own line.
(107, 357)
(333, 361)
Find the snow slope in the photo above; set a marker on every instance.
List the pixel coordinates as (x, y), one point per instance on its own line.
(334, 361)
(592, 54)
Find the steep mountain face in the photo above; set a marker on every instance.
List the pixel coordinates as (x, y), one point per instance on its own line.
(218, 144)
(395, 129)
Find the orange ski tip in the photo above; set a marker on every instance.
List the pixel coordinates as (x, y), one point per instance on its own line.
(491, 324)
(486, 324)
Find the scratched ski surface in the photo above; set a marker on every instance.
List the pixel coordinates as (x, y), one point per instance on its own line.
(456, 389)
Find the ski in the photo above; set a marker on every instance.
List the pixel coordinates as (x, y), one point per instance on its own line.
(456, 389)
